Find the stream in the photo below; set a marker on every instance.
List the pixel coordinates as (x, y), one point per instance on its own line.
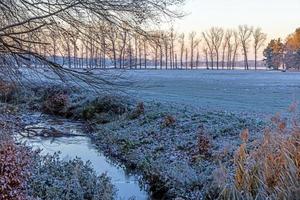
(125, 182)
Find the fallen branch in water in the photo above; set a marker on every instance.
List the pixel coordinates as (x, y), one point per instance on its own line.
(46, 132)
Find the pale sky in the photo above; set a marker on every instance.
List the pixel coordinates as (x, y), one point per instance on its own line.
(277, 18)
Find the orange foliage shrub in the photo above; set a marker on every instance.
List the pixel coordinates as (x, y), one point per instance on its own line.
(14, 170)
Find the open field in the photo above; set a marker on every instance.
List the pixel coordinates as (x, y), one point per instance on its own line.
(264, 92)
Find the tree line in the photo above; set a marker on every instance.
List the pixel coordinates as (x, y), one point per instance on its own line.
(56, 34)
(108, 47)
(101, 34)
(284, 55)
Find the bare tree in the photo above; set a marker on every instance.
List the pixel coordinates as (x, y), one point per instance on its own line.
(208, 37)
(165, 38)
(74, 39)
(182, 47)
(186, 58)
(217, 34)
(226, 45)
(145, 52)
(113, 42)
(197, 58)
(235, 48)
(156, 45)
(194, 43)
(161, 40)
(259, 39)
(122, 46)
(19, 17)
(172, 40)
(245, 33)
(130, 51)
(205, 51)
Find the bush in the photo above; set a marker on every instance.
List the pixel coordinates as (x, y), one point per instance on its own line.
(204, 143)
(103, 110)
(7, 92)
(169, 121)
(56, 102)
(272, 170)
(56, 179)
(14, 170)
(138, 111)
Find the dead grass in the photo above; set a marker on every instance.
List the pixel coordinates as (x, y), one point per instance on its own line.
(169, 121)
(204, 143)
(272, 169)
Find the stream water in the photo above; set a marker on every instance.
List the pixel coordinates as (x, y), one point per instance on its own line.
(126, 183)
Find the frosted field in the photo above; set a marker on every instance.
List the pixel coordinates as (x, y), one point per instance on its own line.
(264, 92)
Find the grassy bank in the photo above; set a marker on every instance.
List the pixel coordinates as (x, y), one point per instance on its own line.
(179, 150)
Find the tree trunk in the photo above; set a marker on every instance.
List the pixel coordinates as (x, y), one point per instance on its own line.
(255, 59)
(145, 54)
(186, 59)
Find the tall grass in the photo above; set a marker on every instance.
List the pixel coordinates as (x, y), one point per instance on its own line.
(271, 170)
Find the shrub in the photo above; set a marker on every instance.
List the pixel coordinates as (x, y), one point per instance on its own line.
(56, 179)
(272, 170)
(14, 170)
(103, 109)
(138, 111)
(56, 102)
(7, 92)
(204, 143)
(169, 121)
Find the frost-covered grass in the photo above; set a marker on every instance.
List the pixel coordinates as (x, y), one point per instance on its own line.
(53, 178)
(177, 148)
(263, 92)
(163, 141)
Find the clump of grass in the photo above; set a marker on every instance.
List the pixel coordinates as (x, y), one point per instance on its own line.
(203, 148)
(204, 143)
(169, 121)
(272, 169)
(138, 111)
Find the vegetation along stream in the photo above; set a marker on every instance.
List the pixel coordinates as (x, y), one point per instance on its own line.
(78, 145)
